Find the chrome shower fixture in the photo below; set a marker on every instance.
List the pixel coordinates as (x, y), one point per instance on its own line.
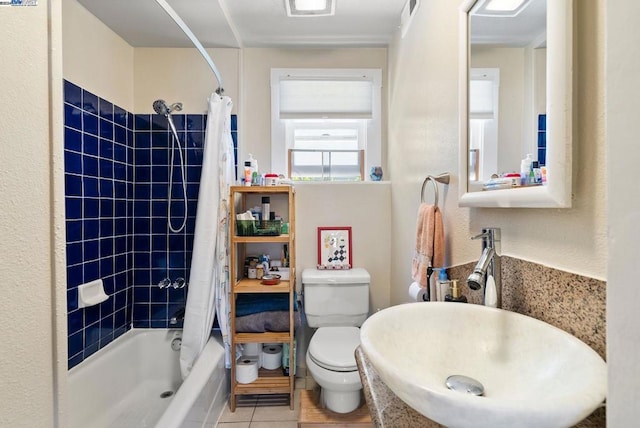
(161, 107)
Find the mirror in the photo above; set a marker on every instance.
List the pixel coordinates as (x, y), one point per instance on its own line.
(515, 99)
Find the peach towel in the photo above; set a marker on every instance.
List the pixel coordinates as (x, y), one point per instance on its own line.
(429, 243)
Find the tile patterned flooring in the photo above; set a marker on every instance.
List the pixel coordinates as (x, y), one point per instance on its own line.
(263, 412)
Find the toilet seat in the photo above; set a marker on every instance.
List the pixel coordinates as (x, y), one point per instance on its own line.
(333, 348)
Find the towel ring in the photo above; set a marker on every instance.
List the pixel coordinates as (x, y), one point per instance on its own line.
(442, 178)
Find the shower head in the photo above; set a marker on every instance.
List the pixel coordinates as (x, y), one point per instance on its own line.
(161, 107)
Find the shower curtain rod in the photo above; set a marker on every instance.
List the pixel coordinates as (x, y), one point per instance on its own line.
(183, 26)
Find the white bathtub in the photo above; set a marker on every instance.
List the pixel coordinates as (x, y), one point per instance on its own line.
(122, 384)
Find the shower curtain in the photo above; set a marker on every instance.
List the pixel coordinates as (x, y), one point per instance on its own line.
(209, 278)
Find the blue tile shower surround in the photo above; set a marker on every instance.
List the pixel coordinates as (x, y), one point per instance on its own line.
(117, 171)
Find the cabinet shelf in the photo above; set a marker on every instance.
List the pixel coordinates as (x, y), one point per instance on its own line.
(283, 200)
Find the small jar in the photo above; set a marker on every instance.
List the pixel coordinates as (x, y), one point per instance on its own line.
(253, 273)
(271, 179)
(259, 272)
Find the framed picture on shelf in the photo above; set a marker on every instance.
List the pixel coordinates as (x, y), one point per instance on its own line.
(334, 248)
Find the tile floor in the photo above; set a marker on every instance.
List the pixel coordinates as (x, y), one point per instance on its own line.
(263, 411)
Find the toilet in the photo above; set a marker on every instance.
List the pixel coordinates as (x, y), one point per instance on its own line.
(336, 302)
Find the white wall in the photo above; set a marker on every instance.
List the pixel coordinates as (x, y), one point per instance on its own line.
(623, 152)
(182, 75)
(30, 355)
(423, 138)
(95, 58)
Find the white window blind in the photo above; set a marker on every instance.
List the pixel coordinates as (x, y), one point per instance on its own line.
(326, 98)
(481, 99)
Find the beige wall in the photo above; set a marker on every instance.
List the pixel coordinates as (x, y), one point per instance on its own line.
(255, 114)
(363, 206)
(95, 58)
(623, 152)
(423, 138)
(183, 75)
(511, 63)
(29, 357)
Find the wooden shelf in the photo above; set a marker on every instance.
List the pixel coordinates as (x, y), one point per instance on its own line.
(261, 189)
(255, 286)
(259, 239)
(241, 197)
(264, 385)
(269, 337)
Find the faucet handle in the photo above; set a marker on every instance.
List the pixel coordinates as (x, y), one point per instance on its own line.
(491, 233)
(480, 236)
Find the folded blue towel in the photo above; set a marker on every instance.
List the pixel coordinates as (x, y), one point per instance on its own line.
(248, 304)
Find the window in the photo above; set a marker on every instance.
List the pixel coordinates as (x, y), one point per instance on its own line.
(484, 86)
(326, 149)
(326, 123)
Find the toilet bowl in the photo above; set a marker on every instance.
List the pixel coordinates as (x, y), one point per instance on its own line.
(330, 360)
(336, 304)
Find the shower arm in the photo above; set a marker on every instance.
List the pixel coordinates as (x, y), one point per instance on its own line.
(183, 26)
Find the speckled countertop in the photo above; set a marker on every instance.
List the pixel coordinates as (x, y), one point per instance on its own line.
(568, 301)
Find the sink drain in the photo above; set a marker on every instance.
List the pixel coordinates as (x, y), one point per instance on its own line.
(465, 385)
(166, 394)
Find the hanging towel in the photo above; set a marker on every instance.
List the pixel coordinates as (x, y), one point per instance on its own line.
(429, 243)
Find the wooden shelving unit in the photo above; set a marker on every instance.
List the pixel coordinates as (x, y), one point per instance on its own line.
(269, 381)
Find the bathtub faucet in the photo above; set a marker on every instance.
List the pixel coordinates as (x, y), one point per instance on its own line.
(177, 316)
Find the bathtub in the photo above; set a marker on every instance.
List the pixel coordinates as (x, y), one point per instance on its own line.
(135, 382)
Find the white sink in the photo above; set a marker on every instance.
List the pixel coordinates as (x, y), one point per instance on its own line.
(534, 374)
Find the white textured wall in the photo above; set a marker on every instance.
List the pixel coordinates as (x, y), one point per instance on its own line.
(255, 125)
(423, 138)
(95, 58)
(181, 74)
(26, 259)
(623, 152)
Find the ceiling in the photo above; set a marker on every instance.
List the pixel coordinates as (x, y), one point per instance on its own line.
(530, 25)
(249, 23)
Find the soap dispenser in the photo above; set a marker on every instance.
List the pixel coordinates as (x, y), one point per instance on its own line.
(455, 295)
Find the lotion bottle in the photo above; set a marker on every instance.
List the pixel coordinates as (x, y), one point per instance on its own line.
(455, 295)
(525, 169)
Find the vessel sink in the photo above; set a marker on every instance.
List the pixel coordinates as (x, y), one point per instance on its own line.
(533, 374)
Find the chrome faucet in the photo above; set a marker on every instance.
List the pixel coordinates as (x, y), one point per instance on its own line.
(489, 264)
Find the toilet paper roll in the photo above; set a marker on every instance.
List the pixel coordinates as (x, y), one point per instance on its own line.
(416, 293)
(246, 370)
(251, 349)
(272, 357)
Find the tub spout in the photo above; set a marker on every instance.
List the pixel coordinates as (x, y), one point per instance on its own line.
(177, 316)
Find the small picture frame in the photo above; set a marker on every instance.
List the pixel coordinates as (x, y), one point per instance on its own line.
(334, 248)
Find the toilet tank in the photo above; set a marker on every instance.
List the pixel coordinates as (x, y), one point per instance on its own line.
(336, 297)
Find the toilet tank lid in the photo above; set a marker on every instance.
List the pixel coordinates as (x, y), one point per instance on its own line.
(348, 276)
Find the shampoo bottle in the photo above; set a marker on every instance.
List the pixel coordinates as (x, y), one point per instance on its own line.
(443, 285)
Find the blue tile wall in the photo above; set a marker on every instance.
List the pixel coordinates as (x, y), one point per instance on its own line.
(117, 173)
(542, 139)
(93, 172)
